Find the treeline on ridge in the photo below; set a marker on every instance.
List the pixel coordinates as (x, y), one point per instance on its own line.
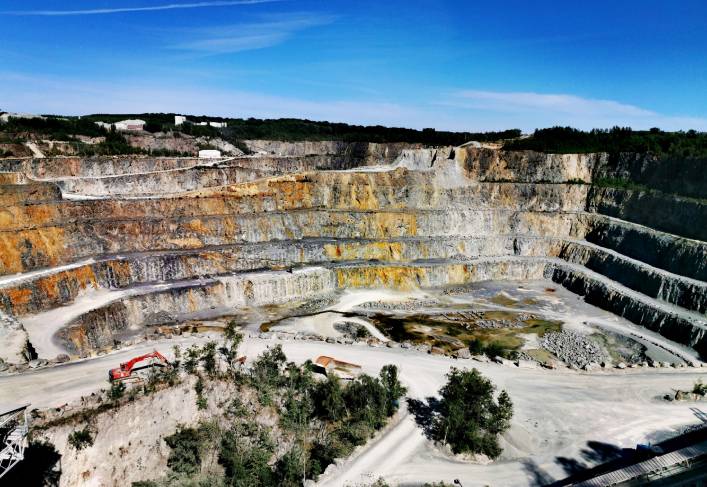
(567, 140)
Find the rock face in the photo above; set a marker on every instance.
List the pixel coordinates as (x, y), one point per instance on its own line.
(169, 238)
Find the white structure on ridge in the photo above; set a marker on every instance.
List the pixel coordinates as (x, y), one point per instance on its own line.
(5, 117)
(209, 154)
(124, 125)
(182, 119)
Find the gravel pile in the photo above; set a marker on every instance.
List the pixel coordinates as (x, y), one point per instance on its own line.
(494, 324)
(410, 304)
(574, 348)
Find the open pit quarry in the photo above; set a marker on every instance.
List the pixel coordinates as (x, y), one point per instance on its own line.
(373, 253)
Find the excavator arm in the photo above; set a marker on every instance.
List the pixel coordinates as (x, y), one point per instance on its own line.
(126, 368)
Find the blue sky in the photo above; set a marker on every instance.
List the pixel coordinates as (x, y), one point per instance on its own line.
(462, 65)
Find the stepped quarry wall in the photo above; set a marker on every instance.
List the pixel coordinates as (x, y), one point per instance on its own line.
(362, 214)
(686, 217)
(103, 327)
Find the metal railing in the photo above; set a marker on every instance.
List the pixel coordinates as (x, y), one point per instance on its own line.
(14, 426)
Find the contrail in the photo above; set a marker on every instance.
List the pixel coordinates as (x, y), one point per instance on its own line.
(171, 6)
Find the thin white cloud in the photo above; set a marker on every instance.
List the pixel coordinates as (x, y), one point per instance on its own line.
(570, 104)
(69, 96)
(529, 110)
(255, 35)
(101, 11)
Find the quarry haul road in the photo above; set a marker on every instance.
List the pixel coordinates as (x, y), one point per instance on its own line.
(557, 413)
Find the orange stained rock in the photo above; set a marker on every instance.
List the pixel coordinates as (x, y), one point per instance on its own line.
(401, 277)
(18, 297)
(364, 250)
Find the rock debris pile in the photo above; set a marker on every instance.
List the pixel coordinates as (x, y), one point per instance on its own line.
(574, 348)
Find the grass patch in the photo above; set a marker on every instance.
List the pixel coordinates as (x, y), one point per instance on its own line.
(620, 183)
(420, 329)
(503, 300)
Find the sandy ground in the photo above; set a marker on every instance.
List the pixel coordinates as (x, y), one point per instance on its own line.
(556, 412)
(323, 324)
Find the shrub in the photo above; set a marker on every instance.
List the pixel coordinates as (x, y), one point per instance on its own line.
(81, 439)
(700, 388)
(117, 390)
(185, 456)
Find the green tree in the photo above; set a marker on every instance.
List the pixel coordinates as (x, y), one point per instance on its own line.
(186, 445)
(394, 390)
(289, 469)
(329, 399)
(232, 340)
(208, 358)
(470, 417)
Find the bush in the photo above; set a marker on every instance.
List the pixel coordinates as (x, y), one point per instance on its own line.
(186, 445)
(81, 439)
(117, 390)
(470, 418)
(700, 388)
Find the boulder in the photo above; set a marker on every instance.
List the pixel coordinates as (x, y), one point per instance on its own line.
(437, 351)
(550, 364)
(621, 365)
(463, 353)
(526, 364)
(62, 358)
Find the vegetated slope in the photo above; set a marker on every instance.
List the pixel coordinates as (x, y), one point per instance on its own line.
(209, 419)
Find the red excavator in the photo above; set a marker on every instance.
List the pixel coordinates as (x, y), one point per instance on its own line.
(126, 369)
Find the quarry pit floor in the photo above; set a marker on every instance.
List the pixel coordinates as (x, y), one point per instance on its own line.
(562, 417)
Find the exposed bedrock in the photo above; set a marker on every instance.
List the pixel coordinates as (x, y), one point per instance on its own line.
(163, 182)
(684, 176)
(128, 317)
(61, 167)
(528, 166)
(675, 254)
(343, 155)
(670, 213)
(172, 238)
(51, 246)
(398, 189)
(671, 288)
(44, 290)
